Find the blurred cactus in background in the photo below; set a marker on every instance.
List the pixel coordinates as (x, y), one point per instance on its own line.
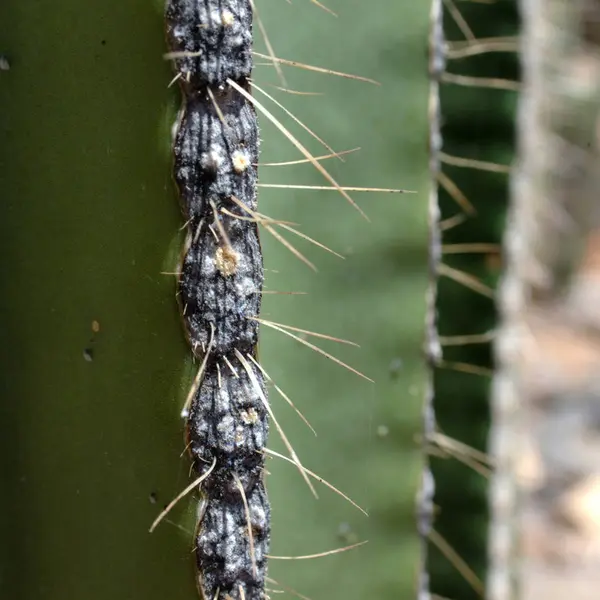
(545, 541)
(478, 93)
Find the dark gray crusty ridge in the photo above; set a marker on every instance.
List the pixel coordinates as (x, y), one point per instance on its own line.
(217, 34)
(216, 154)
(215, 151)
(228, 422)
(223, 302)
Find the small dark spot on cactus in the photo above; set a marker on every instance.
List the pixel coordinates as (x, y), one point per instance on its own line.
(153, 497)
(4, 64)
(103, 42)
(88, 354)
(395, 367)
(347, 534)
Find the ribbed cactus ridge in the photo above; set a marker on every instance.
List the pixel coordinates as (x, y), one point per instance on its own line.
(219, 290)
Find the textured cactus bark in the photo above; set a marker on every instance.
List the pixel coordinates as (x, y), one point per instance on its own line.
(219, 292)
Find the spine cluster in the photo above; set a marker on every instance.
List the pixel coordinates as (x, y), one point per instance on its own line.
(219, 289)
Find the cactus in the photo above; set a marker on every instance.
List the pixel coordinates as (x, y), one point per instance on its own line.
(97, 368)
(477, 97)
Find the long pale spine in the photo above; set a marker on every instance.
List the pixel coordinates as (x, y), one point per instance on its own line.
(219, 290)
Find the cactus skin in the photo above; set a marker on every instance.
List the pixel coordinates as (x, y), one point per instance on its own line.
(92, 229)
(91, 450)
(376, 297)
